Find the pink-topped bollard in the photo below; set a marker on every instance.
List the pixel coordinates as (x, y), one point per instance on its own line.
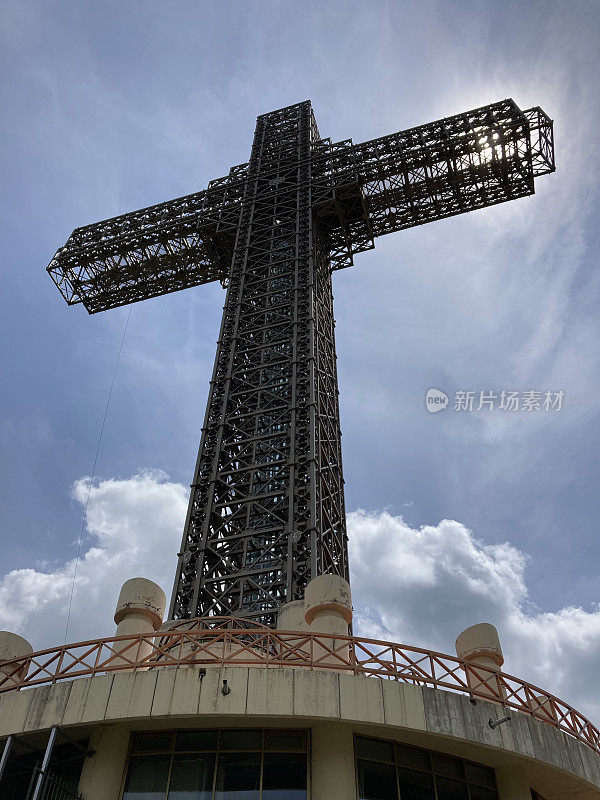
(13, 646)
(480, 647)
(328, 609)
(140, 610)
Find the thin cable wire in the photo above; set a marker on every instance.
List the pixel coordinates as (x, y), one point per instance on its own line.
(83, 519)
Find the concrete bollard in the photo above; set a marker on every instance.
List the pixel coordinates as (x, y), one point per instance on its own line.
(140, 609)
(328, 609)
(11, 647)
(327, 604)
(291, 618)
(479, 645)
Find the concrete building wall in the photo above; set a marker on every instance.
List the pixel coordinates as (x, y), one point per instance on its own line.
(524, 751)
(102, 775)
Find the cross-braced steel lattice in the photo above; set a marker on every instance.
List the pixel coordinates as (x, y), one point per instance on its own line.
(266, 511)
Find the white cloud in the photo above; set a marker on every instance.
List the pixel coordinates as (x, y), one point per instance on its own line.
(422, 587)
(419, 587)
(133, 529)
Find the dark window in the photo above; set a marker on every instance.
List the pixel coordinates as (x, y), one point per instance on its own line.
(388, 771)
(285, 740)
(192, 776)
(480, 793)
(412, 757)
(238, 776)
(284, 776)
(147, 777)
(240, 764)
(66, 764)
(446, 765)
(63, 775)
(241, 740)
(482, 776)
(197, 740)
(415, 785)
(374, 749)
(376, 781)
(152, 742)
(448, 789)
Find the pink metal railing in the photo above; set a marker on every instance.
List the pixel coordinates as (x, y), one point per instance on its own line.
(222, 641)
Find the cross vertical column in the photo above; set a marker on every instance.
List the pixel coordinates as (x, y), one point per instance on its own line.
(266, 511)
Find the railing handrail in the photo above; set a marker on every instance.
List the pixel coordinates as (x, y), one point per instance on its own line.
(275, 649)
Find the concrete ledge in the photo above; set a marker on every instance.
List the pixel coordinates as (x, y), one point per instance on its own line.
(427, 717)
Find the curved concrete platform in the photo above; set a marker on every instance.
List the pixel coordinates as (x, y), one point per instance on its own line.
(524, 751)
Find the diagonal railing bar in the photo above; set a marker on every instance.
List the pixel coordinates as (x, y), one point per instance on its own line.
(121, 654)
(43, 667)
(414, 665)
(325, 657)
(293, 647)
(231, 642)
(80, 658)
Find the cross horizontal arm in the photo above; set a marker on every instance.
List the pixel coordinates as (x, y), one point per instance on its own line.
(451, 166)
(153, 251)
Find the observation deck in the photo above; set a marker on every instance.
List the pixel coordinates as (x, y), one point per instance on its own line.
(224, 671)
(222, 708)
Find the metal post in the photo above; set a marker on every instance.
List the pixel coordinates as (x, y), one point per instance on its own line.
(5, 754)
(47, 756)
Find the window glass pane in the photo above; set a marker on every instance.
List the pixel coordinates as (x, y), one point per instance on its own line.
(238, 776)
(67, 763)
(479, 793)
(285, 740)
(151, 742)
(192, 777)
(446, 765)
(241, 740)
(374, 748)
(412, 757)
(477, 773)
(147, 777)
(448, 789)
(197, 740)
(377, 781)
(415, 785)
(284, 776)
(16, 779)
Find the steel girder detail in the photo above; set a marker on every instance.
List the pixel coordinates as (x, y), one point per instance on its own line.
(359, 191)
(458, 164)
(154, 251)
(266, 511)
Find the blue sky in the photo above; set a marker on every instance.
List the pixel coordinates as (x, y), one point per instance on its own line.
(112, 106)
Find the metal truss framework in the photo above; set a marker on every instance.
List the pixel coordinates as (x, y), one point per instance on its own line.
(266, 511)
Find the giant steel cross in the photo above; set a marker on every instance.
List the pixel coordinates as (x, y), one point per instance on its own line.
(266, 510)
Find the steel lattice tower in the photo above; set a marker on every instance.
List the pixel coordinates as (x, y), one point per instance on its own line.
(267, 501)
(266, 511)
